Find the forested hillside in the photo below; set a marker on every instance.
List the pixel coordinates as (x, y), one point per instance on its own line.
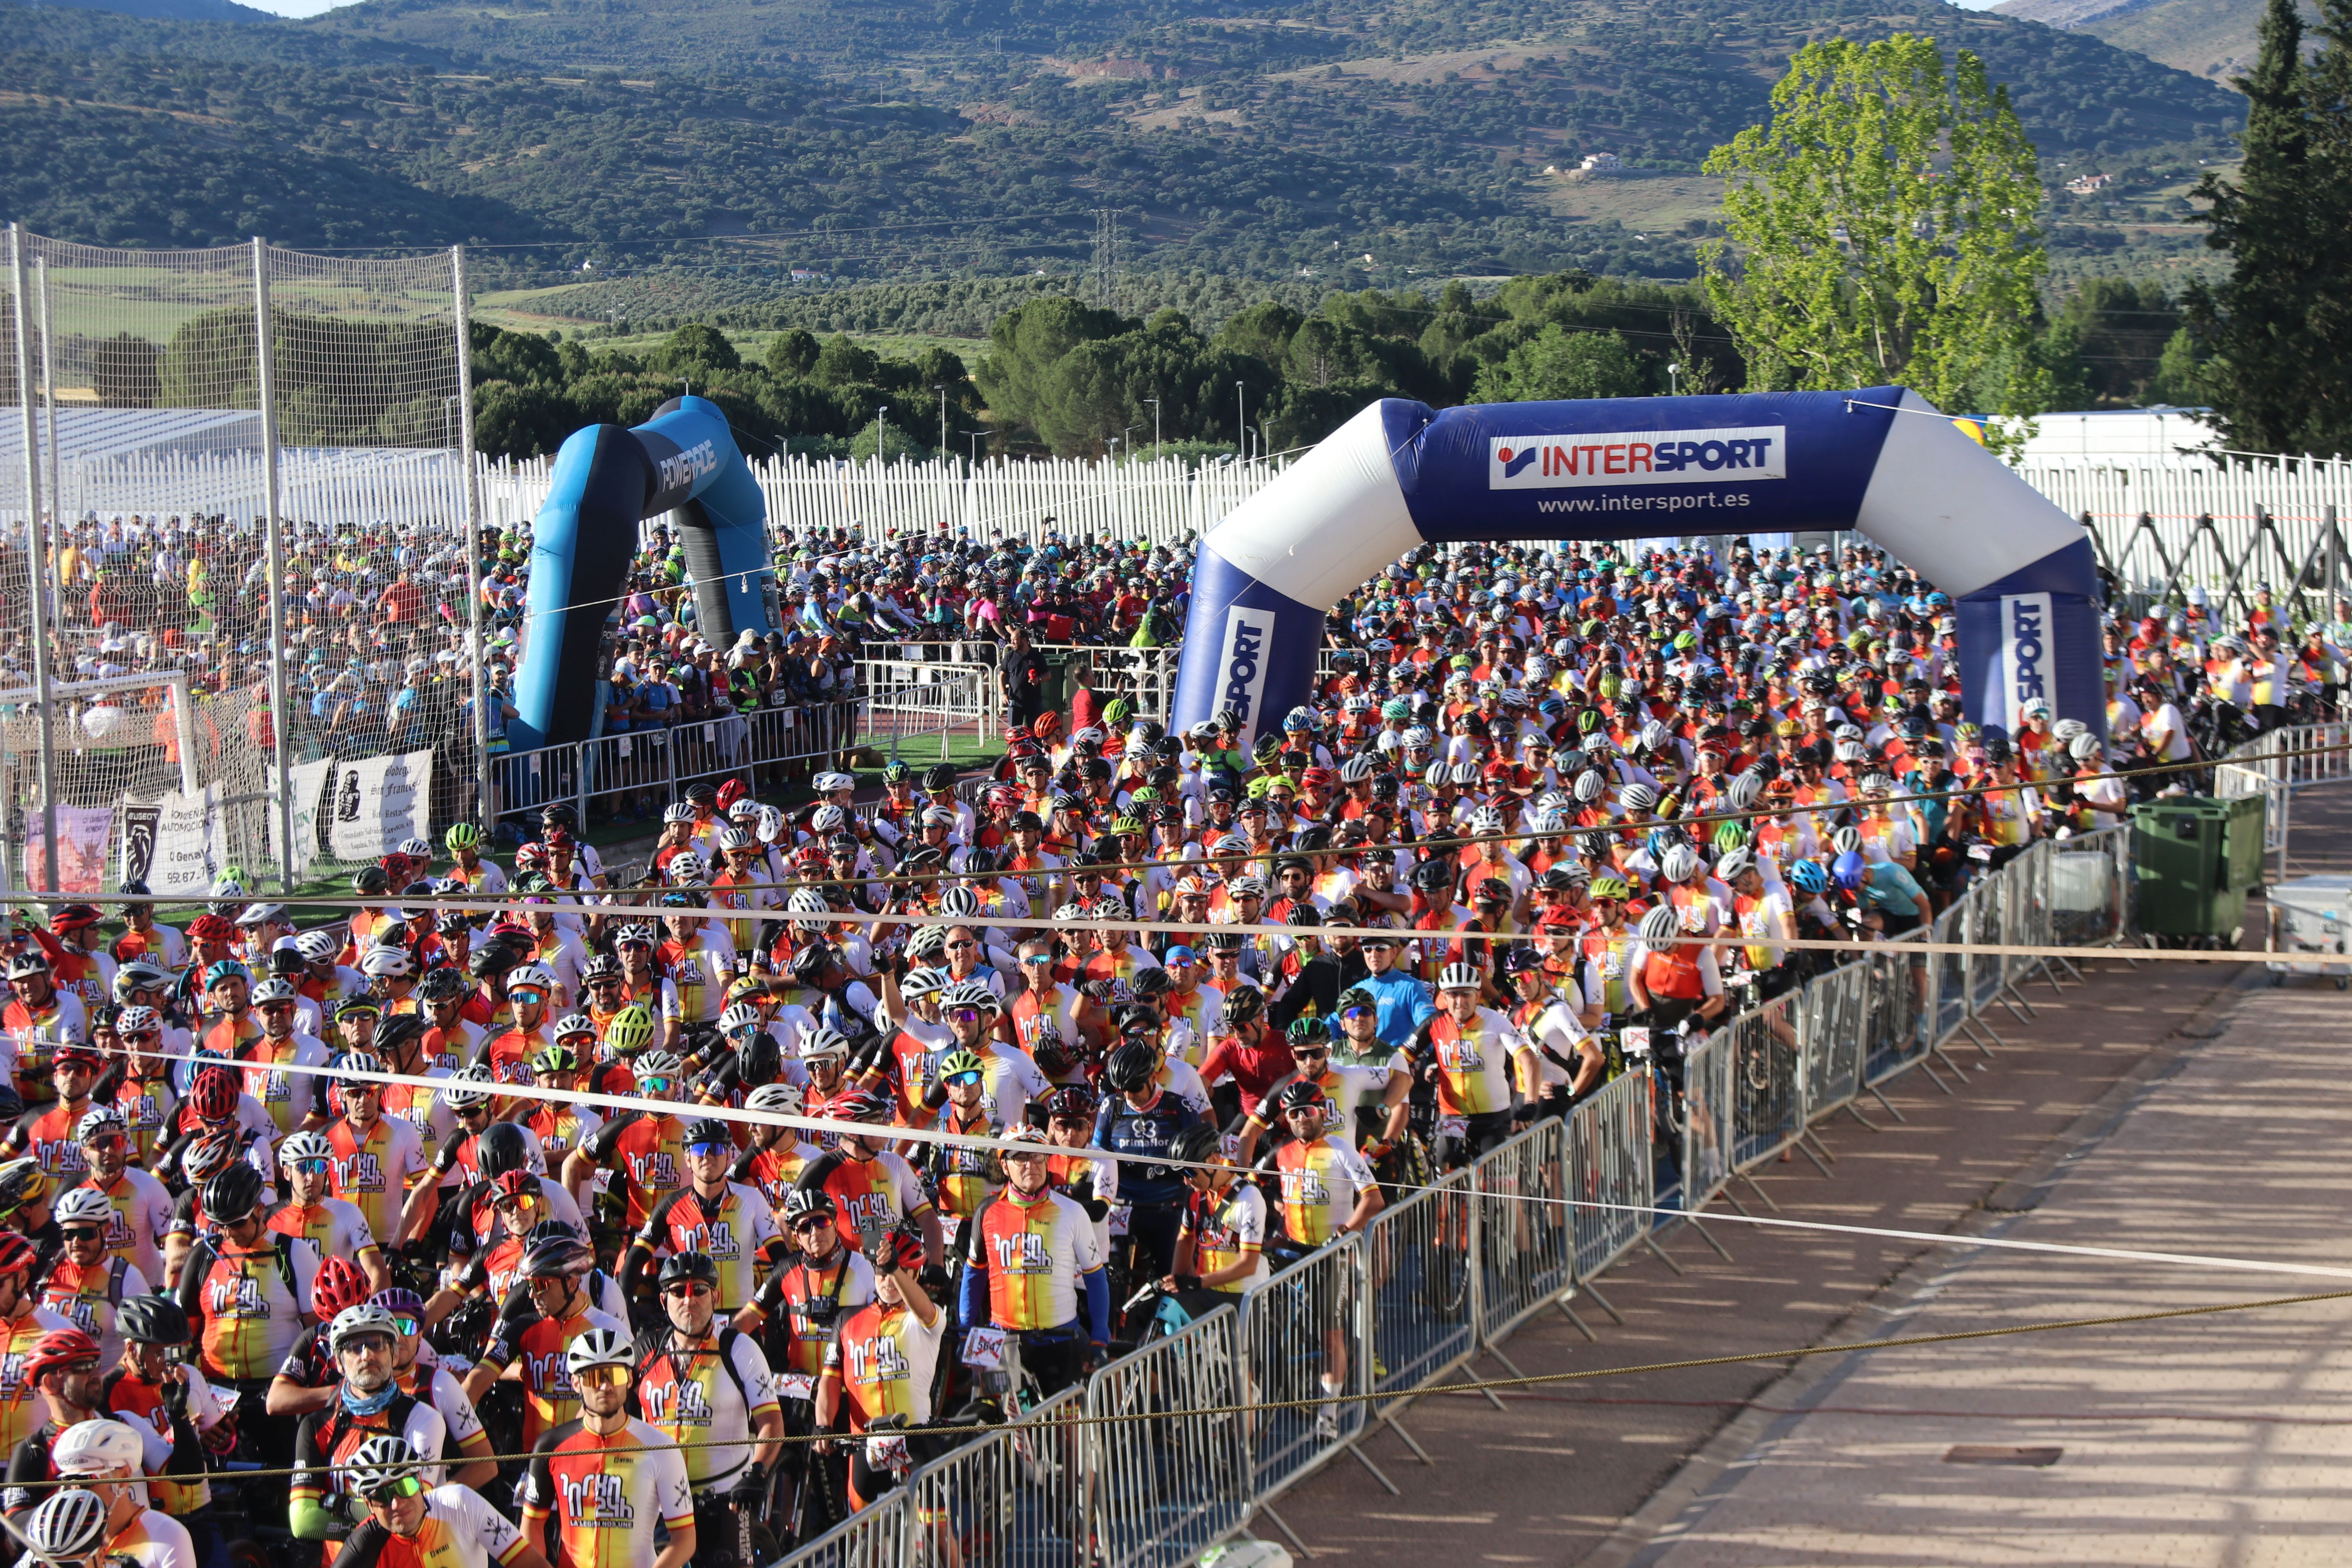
(863, 138)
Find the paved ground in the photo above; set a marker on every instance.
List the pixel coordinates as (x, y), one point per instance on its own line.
(1559, 1475)
(2216, 1440)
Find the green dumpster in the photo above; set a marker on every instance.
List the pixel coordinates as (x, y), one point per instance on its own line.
(2196, 858)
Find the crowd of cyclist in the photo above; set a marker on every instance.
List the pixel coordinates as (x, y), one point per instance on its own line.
(349, 1219)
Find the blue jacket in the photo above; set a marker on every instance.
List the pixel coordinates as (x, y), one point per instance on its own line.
(1405, 1004)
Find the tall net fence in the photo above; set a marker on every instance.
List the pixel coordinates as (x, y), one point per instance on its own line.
(175, 745)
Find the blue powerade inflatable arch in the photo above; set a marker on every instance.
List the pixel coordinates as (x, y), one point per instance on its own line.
(607, 481)
(2020, 571)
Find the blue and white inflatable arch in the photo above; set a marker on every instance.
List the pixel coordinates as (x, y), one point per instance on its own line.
(607, 481)
(2020, 571)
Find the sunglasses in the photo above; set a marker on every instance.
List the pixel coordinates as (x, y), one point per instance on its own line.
(801, 1227)
(964, 1015)
(1039, 962)
(961, 1077)
(955, 945)
(394, 1490)
(312, 1167)
(687, 1288)
(278, 1007)
(406, 1325)
(83, 1233)
(527, 993)
(658, 1083)
(711, 1148)
(606, 1376)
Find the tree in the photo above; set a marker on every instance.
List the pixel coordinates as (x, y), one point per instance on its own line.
(1558, 363)
(2278, 330)
(1882, 229)
(1025, 343)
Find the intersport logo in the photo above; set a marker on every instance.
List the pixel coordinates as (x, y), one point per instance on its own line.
(1249, 635)
(1636, 457)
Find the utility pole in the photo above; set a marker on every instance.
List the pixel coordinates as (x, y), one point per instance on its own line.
(1241, 422)
(37, 566)
(1155, 425)
(882, 434)
(943, 390)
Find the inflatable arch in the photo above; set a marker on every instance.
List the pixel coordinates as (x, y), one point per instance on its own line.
(607, 481)
(2020, 571)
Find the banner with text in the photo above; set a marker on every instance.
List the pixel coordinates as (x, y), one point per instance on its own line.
(309, 785)
(378, 803)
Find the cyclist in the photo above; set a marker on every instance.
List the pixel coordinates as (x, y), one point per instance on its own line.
(172, 1407)
(106, 1458)
(1029, 1252)
(725, 1223)
(328, 1498)
(796, 1313)
(48, 1132)
(705, 1383)
(290, 1099)
(607, 1482)
(63, 1368)
(142, 1205)
(527, 1345)
(307, 1381)
(408, 1520)
(637, 1150)
(562, 1125)
(87, 1283)
(420, 1377)
(334, 1225)
(1328, 1192)
(1221, 1243)
(1140, 1122)
(1570, 1062)
(777, 1155)
(372, 1157)
(959, 1176)
(879, 1369)
(1472, 1056)
(246, 1291)
(1670, 979)
(143, 1094)
(1352, 1094)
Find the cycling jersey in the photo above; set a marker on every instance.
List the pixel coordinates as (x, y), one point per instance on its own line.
(1320, 1183)
(327, 1439)
(46, 1134)
(371, 1170)
(146, 1104)
(884, 1358)
(89, 1296)
(460, 1530)
(645, 1153)
(247, 1305)
(869, 1196)
(812, 1298)
(152, 1540)
(606, 1493)
(959, 1175)
(1226, 1229)
(1142, 1137)
(176, 1480)
(730, 1229)
(1474, 1063)
(288, 1097)
(335, 1226)
(1028, 1252)
(142, 1214)
(710, 1392)
(536, 1344)
(776, 1169)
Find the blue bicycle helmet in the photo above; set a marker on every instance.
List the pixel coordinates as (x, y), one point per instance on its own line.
(1807, 877)
(1849, 870)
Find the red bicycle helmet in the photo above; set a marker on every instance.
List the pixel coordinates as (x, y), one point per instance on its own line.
(58, 1348)
(214, 1094)
(16, 1255)
(337, 1284)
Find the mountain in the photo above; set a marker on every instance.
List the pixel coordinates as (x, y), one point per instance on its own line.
(2212, 38)
(878, 138)
(167, 10)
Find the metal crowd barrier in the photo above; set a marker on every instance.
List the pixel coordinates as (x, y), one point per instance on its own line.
(1609, 1168)
(1169, 1488)
(1020, 1497)
(1445, 1275)
(1423, 1281)
(1527, 1248)
(873, 1537)
(1303, 1326)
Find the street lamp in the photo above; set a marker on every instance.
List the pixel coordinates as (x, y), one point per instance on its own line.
(881, 434)
(1155, 425)
(1241, 421)
(943, 390)
(1674, 376)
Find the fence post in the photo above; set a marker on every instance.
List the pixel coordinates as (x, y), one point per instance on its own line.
(36, 567)
(484, 806)
(274, 552)
(49, 393)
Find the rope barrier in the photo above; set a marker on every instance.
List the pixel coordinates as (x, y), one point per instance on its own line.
(1478, 1386)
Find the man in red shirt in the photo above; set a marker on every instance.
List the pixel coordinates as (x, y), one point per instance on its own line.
(1257, 1056)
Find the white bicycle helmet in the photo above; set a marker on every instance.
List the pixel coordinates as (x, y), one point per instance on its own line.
(1661, 924)
(297, 1147)
(386, 962)
(84, 1205)
(1681, 863)
(777, 1097)
(68, 1527)
(1461, 978)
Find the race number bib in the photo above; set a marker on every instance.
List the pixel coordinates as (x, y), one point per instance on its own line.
(984, 1348)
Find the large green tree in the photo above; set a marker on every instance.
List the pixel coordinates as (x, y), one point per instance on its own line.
(2277, 332)
(1882, 227)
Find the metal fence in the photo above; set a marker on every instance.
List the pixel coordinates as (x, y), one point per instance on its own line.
(2275, 765)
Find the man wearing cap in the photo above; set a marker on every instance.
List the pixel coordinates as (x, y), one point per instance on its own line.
(39, 1017)
(293, 1101)
(1404, 1001)
(50, 1133)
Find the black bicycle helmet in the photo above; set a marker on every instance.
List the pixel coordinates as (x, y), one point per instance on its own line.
(154, 1320)
(1131, 1067)
(1245, 1005)
(370, 882)
(693, 1266)
(1071, 1101)
(1298, 1094)
(1197, 1145)
(232, 1194)
(502, 1147)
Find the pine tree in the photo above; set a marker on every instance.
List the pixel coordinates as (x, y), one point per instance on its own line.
(2278, 330)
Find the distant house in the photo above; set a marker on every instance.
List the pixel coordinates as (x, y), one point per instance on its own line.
(807, 275)
(2085, 184)
(1597, 161)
